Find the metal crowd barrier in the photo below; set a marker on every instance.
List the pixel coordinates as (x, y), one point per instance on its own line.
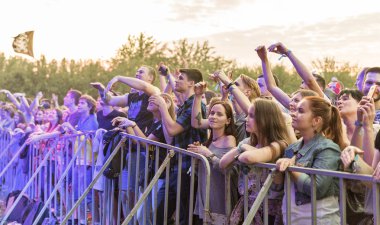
(140, 205)
(42, 166)
(5, 144)
(262, 197)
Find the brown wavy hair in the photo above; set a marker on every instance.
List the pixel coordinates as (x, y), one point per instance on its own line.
(269, 122)
(230, 128)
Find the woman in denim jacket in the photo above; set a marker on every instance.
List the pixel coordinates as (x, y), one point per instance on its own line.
(320, 127)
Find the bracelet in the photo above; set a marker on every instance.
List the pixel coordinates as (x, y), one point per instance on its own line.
(209, 158)
(286, 54)
(354, 164)
(237, 157)
(358, 123)
(239, 148)
(230, 84)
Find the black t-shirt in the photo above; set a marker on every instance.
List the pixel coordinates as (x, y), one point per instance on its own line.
(105, 121)
(157, 130)
(138, 112)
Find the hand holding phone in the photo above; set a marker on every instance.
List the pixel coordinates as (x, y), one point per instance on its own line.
(163, 70)
(372, 91)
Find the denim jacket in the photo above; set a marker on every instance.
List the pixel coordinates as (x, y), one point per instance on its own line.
(318, 153)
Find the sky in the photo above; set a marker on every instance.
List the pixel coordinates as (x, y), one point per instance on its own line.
(82, 29)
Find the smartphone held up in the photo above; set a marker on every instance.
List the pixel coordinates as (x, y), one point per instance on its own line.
(372, 91)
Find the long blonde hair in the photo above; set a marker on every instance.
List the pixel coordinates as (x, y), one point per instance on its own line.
(171, 108)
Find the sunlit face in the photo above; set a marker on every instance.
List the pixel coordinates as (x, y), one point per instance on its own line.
(99, 104)
(39, 116)
(371, 79)
(347, 105)
(250, 124)
(218, 117)
(68, 99)
(182, 83)
(16, 118)
(46, 116)
(302, 117)
(52, 116)
(83, 106)
(143, 74)
(262, 85)
(294, 101)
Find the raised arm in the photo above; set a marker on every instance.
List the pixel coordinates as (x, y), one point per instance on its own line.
(11, 98)
(279, 94)
(173, 128)
(196, 115)
(240, 97)
(135, 83)
(170, 87)
(109, 99)
(36, 102)
(363, 136)
(301, 69)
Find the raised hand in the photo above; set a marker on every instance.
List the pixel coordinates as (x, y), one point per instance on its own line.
(54, 97)
(262, 52)
(111, 84)
(97, 85)
(39, 95)
(5, 91)
(158, 100)
(222, 77)
(163, 69)
(17, 95)
(200, 88)
(278, 48)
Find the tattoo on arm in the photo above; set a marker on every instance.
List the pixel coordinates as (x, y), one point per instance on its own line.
(199, 118)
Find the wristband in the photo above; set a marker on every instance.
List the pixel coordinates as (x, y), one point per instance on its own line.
(354, 164)
(358, 123)
(286, 54)
(230, 84)
(209, 158)
(237, 157)
(239, 148)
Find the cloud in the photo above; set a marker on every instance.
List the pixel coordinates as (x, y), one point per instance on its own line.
(354, 39)
(194, 10)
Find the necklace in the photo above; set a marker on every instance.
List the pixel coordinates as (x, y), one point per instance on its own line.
(215, 139)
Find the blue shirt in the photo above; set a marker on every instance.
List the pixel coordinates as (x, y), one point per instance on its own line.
(318, 153)
(90, 123)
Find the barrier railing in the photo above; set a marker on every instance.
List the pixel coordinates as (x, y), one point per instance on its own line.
(6, 151)
(153, 205)
(44, 162)
(342, 176)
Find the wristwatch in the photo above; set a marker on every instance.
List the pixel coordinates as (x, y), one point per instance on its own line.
(209, 158)
(354, 164)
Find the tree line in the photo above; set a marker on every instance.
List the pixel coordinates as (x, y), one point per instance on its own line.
(18, 74)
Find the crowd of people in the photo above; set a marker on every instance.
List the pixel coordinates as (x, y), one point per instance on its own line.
(247, 121)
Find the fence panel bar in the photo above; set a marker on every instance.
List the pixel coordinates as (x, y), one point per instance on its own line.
(342, 201)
